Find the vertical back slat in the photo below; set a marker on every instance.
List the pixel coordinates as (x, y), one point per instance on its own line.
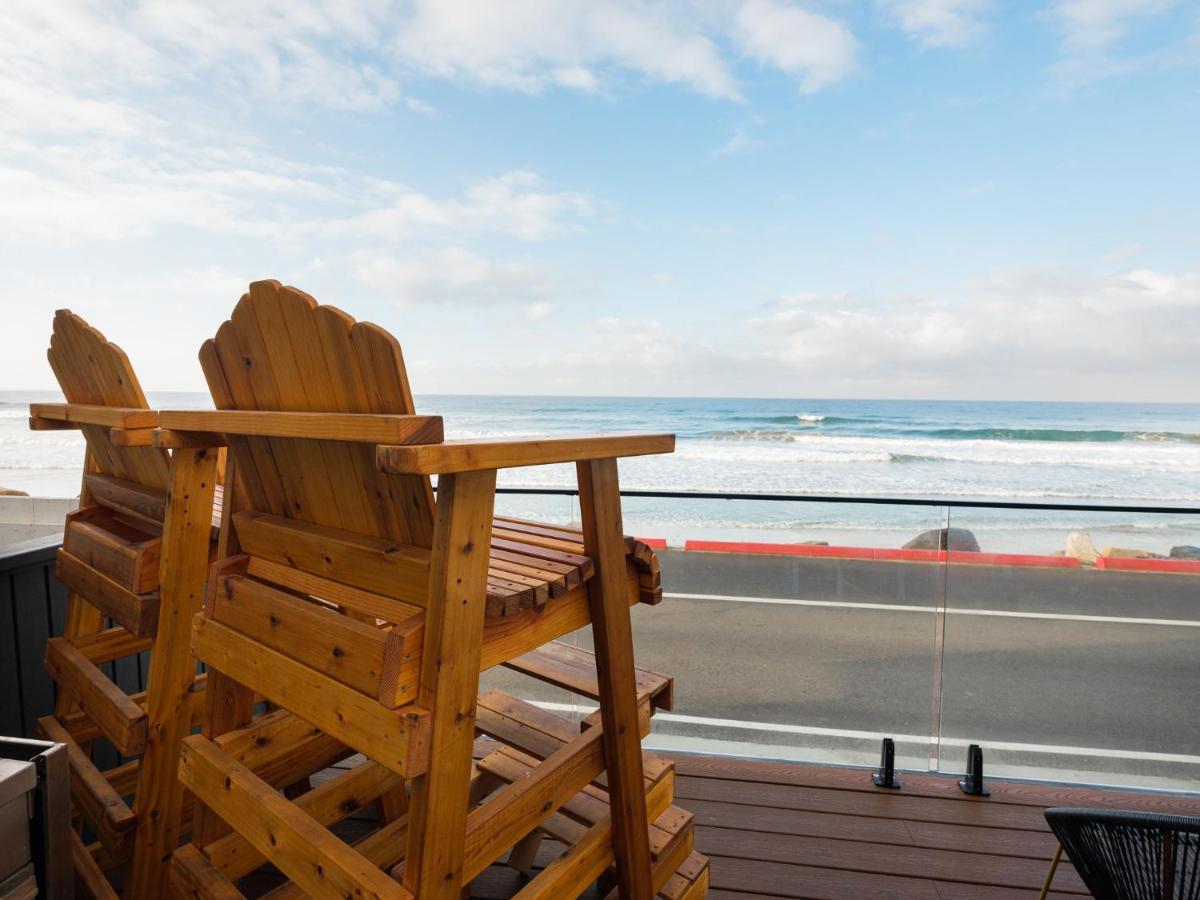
(280, 351)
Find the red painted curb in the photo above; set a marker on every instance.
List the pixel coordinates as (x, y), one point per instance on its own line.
(882, 553)
(1178, 566)
(1014, 559)
(653, 543)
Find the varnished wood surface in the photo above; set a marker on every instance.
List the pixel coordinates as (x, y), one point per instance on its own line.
(487, 453)
(776, 829)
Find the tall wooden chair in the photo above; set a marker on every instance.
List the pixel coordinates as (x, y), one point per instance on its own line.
(348, 598)
(135, 566)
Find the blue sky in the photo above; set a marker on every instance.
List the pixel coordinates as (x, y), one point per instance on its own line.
(884, 198)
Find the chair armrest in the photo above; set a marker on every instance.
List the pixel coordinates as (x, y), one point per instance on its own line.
(364, 428)
(475, 455)
(76, 414)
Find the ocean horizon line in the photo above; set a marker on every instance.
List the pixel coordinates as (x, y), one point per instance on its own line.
(746, 398)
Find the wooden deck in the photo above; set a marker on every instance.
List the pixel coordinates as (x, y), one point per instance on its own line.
(793, 830)
(790, 830)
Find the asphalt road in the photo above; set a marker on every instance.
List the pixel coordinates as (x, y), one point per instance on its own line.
(1058, 683)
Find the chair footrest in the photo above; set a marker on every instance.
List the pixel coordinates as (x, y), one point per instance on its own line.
(574, 669)
(289, 837)
(83, 729)
(94, 796)
(591, 804)
(111, 643)
(137, 613)
(118, 717)
(281, 748)
(539, 733)
(584, 824)
(690, 882)
(192, 875)
(233, 857)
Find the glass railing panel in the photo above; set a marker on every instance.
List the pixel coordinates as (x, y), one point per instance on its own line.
(1066, 666)
(804, 651)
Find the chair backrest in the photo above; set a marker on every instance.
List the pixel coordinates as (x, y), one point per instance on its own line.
(281, 351)
(1131, 855)
(91, 370)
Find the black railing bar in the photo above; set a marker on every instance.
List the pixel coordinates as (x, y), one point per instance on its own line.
(881, 501)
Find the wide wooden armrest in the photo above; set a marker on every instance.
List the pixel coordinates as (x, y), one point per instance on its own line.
(76, 414)
(472, 456)
(319, 426)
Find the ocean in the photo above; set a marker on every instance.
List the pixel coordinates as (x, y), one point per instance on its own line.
(1128, 454)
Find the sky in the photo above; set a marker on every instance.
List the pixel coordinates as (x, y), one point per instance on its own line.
(966, 199)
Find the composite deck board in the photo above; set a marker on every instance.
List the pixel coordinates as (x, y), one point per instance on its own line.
(1026, 793)
(1032, 844)
(878, 805)
(790, 830)
(806, 831)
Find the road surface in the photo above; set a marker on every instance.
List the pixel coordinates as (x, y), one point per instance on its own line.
(1077, 674)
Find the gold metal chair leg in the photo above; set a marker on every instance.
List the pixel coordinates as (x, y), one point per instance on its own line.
(1050, 874)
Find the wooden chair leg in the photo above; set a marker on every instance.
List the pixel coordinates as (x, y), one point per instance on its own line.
(1050, 875)
(433, 866)
(600, 510)
(184, 567)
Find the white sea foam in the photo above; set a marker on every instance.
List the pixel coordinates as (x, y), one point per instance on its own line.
(1125, 455)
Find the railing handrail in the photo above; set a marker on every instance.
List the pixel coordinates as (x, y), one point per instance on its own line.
(882, 501)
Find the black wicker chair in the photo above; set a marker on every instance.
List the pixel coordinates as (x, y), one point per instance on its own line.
(1130, 855)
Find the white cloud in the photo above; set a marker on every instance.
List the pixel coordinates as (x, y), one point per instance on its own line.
(1091, 31)
(455, 274)
(126, 70)
(1095, 24)
(540, 309)
(513, 204)
(528, 46)
(741, 141)
(576, 77)
(939, 23)
(816, 49)
(1014, 333)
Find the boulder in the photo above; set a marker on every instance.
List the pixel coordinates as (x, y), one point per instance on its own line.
(1185, 551)
(12, 492)
(1129, 553)
(1080, 546)
(944, 539)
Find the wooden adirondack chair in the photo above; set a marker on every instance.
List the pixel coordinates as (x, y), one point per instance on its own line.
(130, 560)
(366, 612)
(135, 567)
